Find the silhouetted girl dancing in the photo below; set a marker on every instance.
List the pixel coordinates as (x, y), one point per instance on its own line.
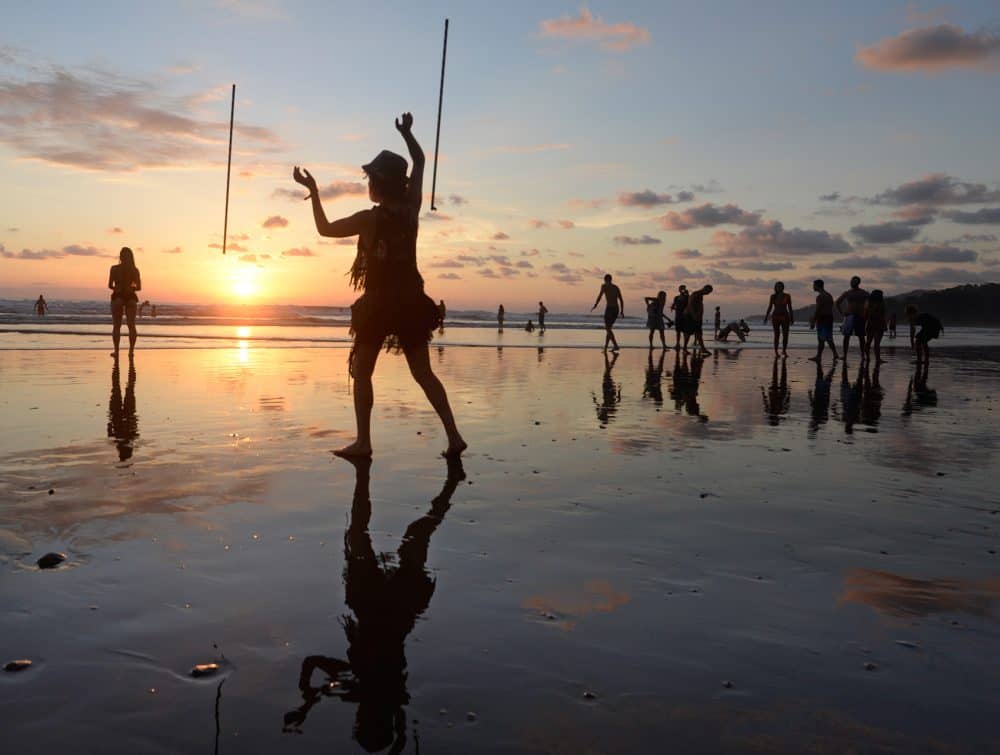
(124, 281)
(393, 311)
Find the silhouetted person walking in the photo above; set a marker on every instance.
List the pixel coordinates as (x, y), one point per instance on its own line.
(124, 281)
(854, 317)
(41, 306)
(393, 311)
(822, 320)
(694, 316)
(779, 309)
(614, 306)
(500, 316)
(678, 305)
(655, 317)
(542, 311)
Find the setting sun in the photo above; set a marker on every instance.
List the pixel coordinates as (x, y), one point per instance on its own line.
(244, 284)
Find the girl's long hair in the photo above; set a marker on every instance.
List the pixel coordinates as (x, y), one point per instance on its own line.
(126, 258)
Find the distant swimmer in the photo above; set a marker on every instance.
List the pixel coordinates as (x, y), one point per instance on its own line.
(694, 315)
(614, 307)
(678, 305)
(930, 328)
(124, 281)
(393, 312)
(41, 306)
(854, 317)
(143, 307)
(779, 309)
(530, 327)
(500, 316)
(718, 322)
(655, 317)
(874, 324)
(542, 311)
(892, 325)
(739, 329)
(822, 320)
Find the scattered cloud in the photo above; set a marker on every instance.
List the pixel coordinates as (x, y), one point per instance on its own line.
(527, 149)
(436, 216)
(13, 229)
(248, 258)
(636, 240)
(617, 37)
(888, 232)
(755, 265)
(175, 250)
(932, 49)
(566, 224)
(771, 237)
(86, 119)
(831, 197)
(937, 189)
(457, 200)
(301, 251)
(116, 229)
(650, 198)
(230, 247)
(275, 221)
(538, 223)
(687, 254)
(499, 236)
(71, 250)
(857, 262)
(450, 277)
(330, 192)
(708, 215)
(939, 253)
(985, 216)
(587, 204)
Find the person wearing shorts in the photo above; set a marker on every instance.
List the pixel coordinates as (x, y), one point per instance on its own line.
(854, 317)
(614, 306)
(822, 320)
(678, 305)
(930, 328)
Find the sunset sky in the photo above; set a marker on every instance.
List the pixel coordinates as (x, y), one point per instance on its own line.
(726, 142)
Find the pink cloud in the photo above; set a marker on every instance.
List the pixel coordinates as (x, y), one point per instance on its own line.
(587, 27)
(933, 48)
(275, 221)
(708, 215)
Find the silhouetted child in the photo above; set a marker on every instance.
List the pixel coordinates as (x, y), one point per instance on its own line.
(930, 328)
(530, 327)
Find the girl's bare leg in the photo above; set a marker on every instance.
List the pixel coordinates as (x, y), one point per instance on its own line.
(130, 319)
(785, 327)
(419, 361)
(117, 309)
(363, 365)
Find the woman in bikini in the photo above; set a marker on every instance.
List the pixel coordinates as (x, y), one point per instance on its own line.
(393, 312)
(124, 282)
(779, 309)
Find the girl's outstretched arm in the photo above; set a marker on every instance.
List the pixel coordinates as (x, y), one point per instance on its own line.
(415, 189)
(352, 225)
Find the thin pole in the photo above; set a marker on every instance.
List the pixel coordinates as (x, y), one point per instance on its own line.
(437, 139)
(229, 165)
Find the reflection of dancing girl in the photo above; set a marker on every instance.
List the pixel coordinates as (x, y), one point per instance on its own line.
(394, 311)
(684, 386)
(776, 397)
(611, 393)
(123, 425)
(386, 599)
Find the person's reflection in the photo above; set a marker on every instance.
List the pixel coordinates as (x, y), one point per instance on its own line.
(776, 397)
(123, 424)
(871, 399)
(654, 376)
(541, 354)
(819, 398)
(850, 398)
(611, 393)
(918, 395)
(684, 385)
(386, 595)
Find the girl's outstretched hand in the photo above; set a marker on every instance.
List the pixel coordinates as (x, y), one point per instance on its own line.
(405, 123)
(305, 178)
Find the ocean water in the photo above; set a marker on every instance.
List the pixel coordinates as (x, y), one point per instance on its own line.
(87, 325)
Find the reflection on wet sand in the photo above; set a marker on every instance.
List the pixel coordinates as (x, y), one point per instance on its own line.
(611, 393)
(123, 423)
(684, 387)
(654, 377)
(918, 395)
(819, 399)
(895, 595)
(776, 398)
(386, 593)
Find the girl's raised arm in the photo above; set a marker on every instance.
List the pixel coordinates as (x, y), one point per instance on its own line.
(352, 225)
(415, 190)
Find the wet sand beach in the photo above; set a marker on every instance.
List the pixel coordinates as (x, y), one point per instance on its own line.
(733, 554)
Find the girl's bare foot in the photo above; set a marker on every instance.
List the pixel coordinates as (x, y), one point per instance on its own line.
(455, 449)
(356, 450)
